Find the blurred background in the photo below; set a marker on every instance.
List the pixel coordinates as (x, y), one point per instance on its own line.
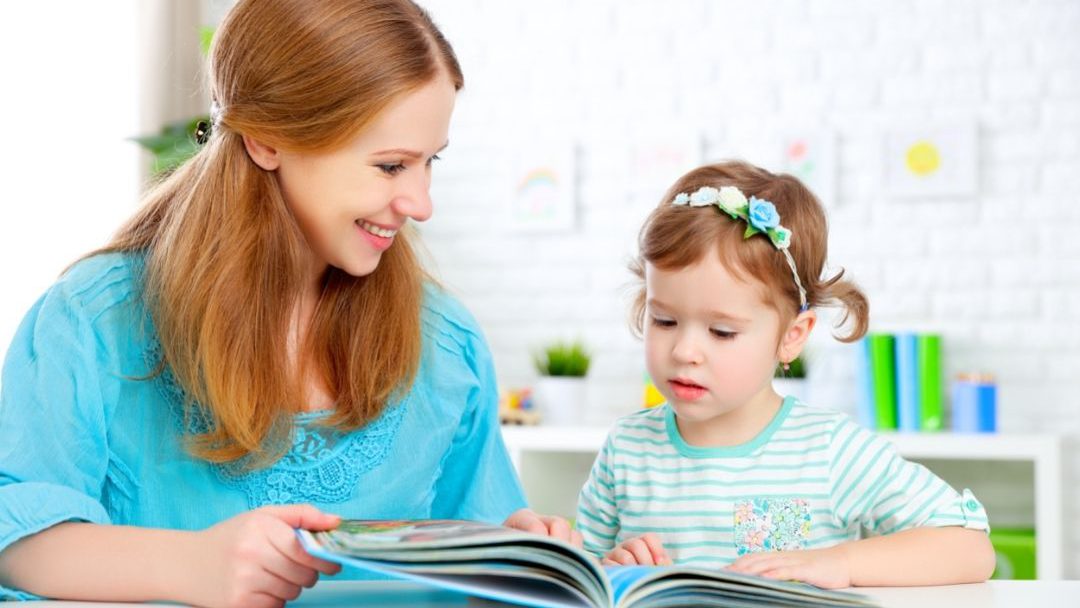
(942, 138)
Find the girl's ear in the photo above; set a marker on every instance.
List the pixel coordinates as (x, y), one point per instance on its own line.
(795, 336)
(263, 155)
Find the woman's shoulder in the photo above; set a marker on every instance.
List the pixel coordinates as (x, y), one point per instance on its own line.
(446, 320)
(97, 284)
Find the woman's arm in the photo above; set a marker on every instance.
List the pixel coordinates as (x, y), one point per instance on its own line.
(919, 556)
(100, 562)
(252, 559)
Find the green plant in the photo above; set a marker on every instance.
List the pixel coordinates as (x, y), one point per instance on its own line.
(175, 143)
(563, 359)
(796, 369)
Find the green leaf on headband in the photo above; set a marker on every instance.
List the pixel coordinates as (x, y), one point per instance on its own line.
(750, 231)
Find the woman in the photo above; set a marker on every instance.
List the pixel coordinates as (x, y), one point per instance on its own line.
(259, 347)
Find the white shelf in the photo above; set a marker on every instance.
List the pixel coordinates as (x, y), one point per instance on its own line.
(548, 447)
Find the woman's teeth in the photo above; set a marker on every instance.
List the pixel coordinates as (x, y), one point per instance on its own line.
(373, 229)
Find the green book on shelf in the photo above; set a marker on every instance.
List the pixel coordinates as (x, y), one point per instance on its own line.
(931, 390)
(882, 351)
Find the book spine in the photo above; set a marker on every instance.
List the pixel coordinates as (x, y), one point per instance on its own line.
(883, 370)
(864, 407)
(907, 383)
(931, 388)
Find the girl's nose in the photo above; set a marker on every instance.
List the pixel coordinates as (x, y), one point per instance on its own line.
(686, 350)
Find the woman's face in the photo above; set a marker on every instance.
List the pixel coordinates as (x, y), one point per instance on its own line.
(350, 202)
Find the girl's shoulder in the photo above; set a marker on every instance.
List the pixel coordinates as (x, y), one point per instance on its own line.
(646, 422)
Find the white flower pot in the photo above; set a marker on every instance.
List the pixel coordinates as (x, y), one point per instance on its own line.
(794, 387)
(560, 400)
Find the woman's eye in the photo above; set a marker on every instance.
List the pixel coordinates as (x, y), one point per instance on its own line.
(663, 322)
(391, 169)
(723, 334)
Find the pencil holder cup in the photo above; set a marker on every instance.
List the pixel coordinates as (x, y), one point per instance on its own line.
(974, 404)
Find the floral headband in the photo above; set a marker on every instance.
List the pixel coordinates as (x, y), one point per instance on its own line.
(760, 217)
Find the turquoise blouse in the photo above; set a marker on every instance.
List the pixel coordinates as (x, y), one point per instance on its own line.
(82, 440)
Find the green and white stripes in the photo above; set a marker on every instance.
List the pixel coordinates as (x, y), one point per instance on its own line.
(646, 479)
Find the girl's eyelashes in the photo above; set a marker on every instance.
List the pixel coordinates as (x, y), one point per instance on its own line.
(658, 322)
(722, 334)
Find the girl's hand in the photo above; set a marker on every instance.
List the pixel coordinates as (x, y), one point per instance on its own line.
(255, 559)
(827, 568)
(644, 550)
(544, 525)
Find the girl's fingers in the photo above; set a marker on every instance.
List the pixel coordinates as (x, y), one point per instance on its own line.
(640, 551)
(656, 549)
(622, 557)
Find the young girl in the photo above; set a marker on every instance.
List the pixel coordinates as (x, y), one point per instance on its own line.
(728, 473)
(259, 335)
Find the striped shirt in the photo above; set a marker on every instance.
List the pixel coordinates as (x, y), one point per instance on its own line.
(811, 479)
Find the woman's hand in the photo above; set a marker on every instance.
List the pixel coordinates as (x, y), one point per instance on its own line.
(255, 558)
(644, 550)
(544, 525)
(826, 568)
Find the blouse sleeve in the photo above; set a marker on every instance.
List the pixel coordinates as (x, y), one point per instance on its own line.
(53, 453)
(478, 480)
(874, 487)
(597, 515)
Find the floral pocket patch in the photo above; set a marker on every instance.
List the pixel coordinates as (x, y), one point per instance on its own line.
(771, 524)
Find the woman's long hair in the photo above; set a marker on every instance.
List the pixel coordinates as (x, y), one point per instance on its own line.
(224, 257)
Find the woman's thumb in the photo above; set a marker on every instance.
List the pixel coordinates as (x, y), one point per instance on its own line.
(305, 517)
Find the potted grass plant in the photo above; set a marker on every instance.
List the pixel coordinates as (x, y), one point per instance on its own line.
(559, 393)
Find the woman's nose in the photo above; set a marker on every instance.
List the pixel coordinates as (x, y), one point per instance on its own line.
(414, 199)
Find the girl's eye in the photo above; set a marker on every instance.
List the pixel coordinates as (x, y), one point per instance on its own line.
(662, 322)
(434, 157)
(391, 169)
(722, 334)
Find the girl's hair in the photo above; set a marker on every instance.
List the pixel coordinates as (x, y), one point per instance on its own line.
(224, 256)
(675, 237)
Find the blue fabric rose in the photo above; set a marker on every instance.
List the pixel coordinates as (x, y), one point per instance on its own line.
(763, 214)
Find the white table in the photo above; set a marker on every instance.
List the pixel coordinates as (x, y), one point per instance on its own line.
(392, 594)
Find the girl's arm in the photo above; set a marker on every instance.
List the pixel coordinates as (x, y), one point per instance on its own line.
(252, 559)
(919, 556)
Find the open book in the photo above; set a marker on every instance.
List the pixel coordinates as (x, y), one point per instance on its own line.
(516, 567)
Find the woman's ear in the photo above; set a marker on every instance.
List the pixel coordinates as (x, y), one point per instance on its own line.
(263, 155)
(795, 336)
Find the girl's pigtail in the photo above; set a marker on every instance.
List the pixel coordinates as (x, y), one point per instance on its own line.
(846, 295)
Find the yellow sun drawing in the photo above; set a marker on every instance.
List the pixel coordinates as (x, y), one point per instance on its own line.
(923, 158)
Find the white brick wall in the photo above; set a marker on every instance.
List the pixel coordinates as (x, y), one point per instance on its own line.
(998, 273)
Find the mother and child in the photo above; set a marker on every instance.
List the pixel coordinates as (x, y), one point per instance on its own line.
(259, 349)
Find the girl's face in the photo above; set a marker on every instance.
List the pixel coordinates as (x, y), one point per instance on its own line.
(710, 339)
(350, 202)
